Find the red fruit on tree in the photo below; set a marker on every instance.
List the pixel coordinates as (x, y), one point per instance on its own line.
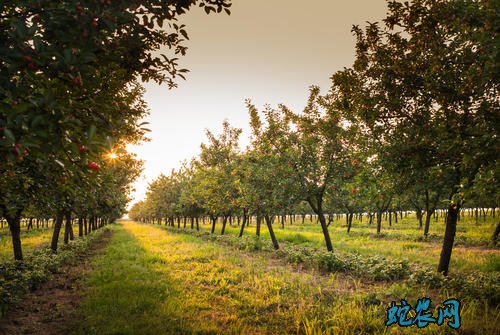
(94, 22)
(17, 145)
(78, 81)
(25, 152)
(19, 158)
(82, 148)
(354, 190)
(93, 165)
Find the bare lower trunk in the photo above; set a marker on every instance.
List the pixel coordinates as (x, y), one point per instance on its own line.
(428, 216)
(326, 234)
(244, 221)
(80, 227)
(224, 222)
(316, 206)
(449, 238)
(257, 225)
(213, 224)
(494, 238)
(57, 229)
(271, 232)
(67, 228)
(379, 222)
(14, 223)
(349, 222)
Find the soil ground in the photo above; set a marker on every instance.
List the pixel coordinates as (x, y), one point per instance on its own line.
(48, 309)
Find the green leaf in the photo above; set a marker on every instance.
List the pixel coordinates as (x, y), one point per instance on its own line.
(9, 135)
(92, 132)
(184, 33)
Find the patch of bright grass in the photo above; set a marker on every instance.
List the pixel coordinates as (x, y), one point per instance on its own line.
(30, 240)
(402, 241)
(153, 281)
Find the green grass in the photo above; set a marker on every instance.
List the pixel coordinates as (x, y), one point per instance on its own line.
(30, 239)
(153, 281)
(400, 241)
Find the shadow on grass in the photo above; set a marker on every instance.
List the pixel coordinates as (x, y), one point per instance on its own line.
(126, 296)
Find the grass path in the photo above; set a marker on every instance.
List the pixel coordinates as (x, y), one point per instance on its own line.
(151, 281)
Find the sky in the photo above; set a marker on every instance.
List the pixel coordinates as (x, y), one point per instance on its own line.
(269, 51)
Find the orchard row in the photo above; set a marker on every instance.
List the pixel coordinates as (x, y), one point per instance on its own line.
(70, 102)
(413, 124)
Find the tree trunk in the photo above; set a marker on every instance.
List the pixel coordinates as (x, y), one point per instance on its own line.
(224, 221)
(428, 216)
(213, 224)
(257, 225)
(326, 234)
(379, 221)
(242, 227)
(317, 208)
(349, 222)
(67, 228)
(57, 229)
(449, 238)
(418, 212)
(271, 232)
(14, 223)
(80, 227)
(494, 238)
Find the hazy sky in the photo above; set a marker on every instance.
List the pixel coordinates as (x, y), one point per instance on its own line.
(270, 51)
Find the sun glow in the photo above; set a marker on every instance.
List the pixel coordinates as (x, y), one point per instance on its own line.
(112, 155)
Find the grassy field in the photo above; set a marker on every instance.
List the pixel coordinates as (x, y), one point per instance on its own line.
(30, 239)
(151, 280)
(403, 240)
(162, 280)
